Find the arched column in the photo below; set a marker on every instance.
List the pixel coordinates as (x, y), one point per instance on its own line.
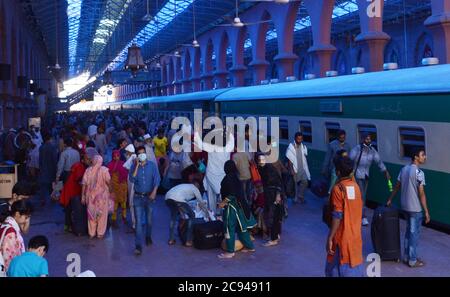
(186, 61)
(237, 39)
(321, 12)
(221, 41)
(257, 34)
(196, 71)
(439, 25)
(163, 78)
(207, 48)
(372, 38)
(284, 17)
(177, 74)
(170, 76)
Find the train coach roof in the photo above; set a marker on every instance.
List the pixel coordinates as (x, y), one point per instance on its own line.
(430, 79)
(196, 96)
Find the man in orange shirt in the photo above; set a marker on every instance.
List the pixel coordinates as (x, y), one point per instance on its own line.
(344, 243)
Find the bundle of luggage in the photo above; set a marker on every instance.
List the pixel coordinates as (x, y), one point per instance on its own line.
(207, 235)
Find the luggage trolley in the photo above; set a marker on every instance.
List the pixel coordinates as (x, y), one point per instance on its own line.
(8, 178)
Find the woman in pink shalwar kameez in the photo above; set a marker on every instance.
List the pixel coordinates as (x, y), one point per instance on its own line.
(96, 196)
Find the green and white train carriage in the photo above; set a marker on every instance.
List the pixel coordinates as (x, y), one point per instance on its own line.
(401, 108)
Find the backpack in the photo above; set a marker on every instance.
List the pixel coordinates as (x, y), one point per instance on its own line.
(3, 230)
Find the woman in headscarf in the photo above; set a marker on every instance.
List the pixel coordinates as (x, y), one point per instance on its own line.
(11, 230)
(273, 203)
(72, 190)
(237, 213)
(96, 196)
(119, 186)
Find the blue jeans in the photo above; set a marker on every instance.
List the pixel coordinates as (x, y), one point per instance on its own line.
(335, 269)
(143, 208)
(177, 208)
(363, 185)
(413, 221)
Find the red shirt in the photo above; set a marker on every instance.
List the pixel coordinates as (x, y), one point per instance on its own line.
(72, 187)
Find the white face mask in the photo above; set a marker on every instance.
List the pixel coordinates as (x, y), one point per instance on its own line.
(80, 146)
(142, 157)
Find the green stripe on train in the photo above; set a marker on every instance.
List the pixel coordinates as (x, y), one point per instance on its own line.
(431, 108)
(437, 198)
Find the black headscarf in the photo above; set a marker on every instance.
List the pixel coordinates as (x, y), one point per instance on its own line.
(231, 186)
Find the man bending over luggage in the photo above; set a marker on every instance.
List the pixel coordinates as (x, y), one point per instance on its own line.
(344, 243)
(411, 180)
(176, 200)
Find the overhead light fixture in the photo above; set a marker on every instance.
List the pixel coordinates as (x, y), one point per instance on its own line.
(430, 61)
(195, 43)
(331, 73)
(358, 70)
(135, 61)
(291, 78)
(237, 22)
(147, 18)
(390, 66)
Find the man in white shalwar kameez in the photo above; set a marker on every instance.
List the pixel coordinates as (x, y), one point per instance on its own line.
(217, 156)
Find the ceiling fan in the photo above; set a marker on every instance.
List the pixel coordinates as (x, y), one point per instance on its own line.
(195, 41)
(148, 17)
(275, 1)
(237, 21)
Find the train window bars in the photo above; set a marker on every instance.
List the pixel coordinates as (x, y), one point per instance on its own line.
(306, 129)
(411, 138)
(332, 129)
(284, 130)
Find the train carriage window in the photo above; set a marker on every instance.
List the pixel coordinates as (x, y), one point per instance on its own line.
(371, 130)
(331, 131)
(410, 139)
(284, 130)
(306, 129)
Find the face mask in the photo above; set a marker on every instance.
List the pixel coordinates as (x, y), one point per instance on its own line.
(142, 157)
(80, 146)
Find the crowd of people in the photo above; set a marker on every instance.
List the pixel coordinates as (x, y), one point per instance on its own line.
(97, 163)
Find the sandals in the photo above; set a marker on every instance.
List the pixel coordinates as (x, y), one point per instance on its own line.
(270, 243)
(418, 263)
(246, 250)
(226, 256)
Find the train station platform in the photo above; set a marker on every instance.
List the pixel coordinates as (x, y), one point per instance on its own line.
(301, 252)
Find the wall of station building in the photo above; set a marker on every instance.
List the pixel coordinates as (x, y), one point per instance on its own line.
(28, 60)
(370, 44)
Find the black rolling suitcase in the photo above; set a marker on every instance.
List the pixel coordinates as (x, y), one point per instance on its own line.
(208, 235)
(182, 228)
(385, 233)
(79, 217)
